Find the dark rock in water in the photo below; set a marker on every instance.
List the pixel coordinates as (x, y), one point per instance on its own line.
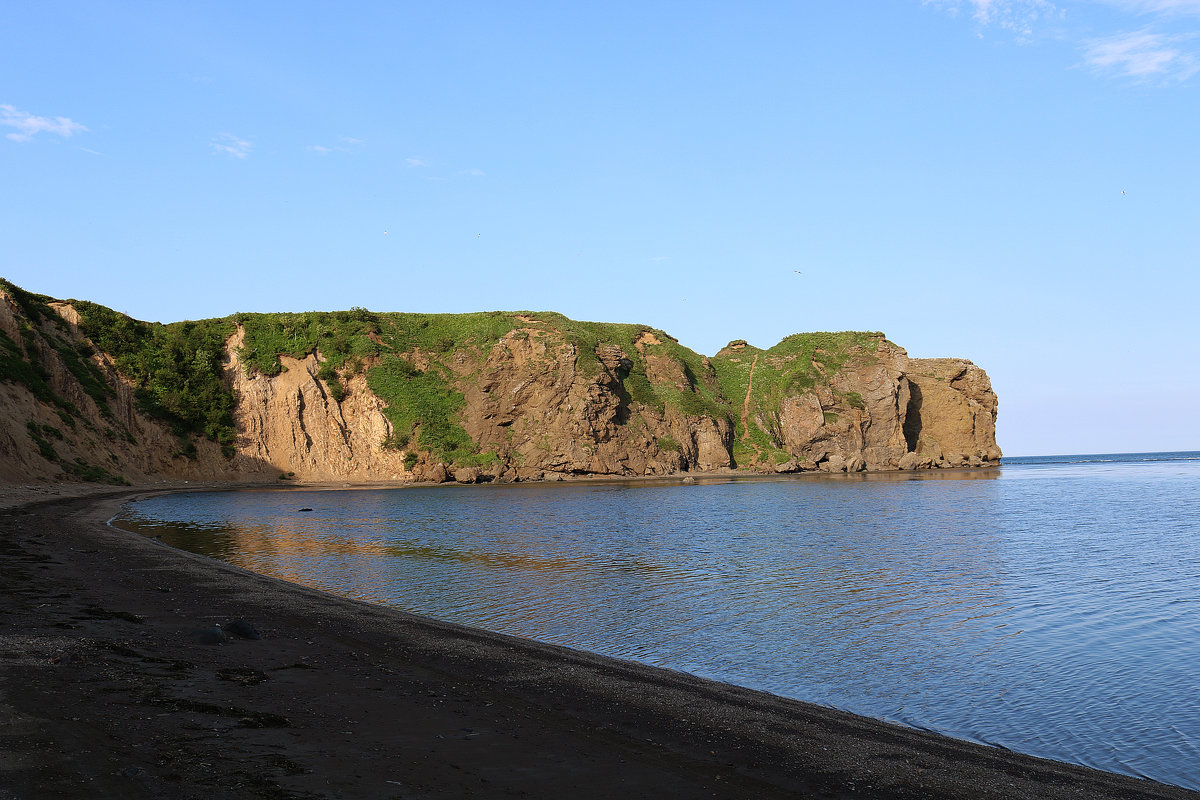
(239, 627)
(305, 509)
(213, 635)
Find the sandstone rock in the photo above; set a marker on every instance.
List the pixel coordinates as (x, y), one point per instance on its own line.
(952, 410)
(835, 463)
(467, 475)
(910, 461)
(713, 440)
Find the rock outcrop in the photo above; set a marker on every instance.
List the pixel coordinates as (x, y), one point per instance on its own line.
(951, 418)
(542, 414)
(291, 425)
(854, 421)
(518, 397)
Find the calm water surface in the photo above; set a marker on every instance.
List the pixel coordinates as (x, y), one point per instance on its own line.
(1051, 606)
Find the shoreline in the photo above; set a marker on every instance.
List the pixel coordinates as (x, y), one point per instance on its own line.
(106, 689)
(18, 494)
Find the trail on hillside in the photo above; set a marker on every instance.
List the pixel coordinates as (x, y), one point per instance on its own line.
(746, 410)
(746, 401)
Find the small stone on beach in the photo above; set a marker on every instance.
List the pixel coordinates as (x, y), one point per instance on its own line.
(239, 627)
(213, 635)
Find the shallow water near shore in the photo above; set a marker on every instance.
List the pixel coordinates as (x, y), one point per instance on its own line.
(1049, 606)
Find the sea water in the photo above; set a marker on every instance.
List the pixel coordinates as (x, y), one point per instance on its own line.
(1050, 606)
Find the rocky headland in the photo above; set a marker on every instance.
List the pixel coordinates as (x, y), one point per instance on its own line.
(360, 396)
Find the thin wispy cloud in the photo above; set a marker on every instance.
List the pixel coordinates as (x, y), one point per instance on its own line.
(1162, 51)
(416, 162)
(1142, 56)
(29, 125)
(1166, 7)
(230, 145)
(474, 173)
(1016, 16)
(346, 144)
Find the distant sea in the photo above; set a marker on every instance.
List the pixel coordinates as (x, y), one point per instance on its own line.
(1050, 605)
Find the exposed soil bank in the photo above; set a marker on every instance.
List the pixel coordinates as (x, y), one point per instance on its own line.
(108, 690)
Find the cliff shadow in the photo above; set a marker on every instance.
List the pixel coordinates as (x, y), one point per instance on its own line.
(912, 417)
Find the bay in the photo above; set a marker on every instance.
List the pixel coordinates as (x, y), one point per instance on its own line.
(1050, 606)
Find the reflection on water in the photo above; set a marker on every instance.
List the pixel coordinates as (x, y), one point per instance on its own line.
(1046, 607)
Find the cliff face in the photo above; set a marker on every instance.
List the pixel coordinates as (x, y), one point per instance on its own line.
(372, 397)
(290, 423)
(545, 416)
(951, 419)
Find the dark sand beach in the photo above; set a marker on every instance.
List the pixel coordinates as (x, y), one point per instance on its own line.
(110, 687)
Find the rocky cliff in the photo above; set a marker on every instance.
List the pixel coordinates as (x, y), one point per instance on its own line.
(361, 396)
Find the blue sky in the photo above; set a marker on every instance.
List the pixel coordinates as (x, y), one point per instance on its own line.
(1013, 182)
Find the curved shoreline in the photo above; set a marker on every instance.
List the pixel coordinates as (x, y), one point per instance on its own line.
(108, 693)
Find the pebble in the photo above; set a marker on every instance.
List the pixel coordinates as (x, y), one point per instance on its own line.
(239, 627)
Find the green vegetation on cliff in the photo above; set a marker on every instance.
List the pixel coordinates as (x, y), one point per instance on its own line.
(796, 365)
(22, 362)
(423, 404)
(16, 367)
(175, 369)
(683, 379)
(41, 327)
(422, 401)
(340, 337)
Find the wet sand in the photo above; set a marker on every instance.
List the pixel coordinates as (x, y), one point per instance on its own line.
(108, 688)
